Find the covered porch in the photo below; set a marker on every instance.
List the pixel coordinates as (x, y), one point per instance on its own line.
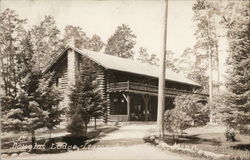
(130, 101)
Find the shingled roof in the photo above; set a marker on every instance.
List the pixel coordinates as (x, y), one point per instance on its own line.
(128, 65)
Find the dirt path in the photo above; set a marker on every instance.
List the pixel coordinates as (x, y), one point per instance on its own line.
(125, 143)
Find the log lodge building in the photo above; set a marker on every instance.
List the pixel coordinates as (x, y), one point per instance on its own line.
(129, 87)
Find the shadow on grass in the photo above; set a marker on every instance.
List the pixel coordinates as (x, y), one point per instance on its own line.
(241, 147)
(189, 139)
(69, 140)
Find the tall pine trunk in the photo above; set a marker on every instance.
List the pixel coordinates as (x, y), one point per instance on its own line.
(33, 140)
(210, 85)
(49, 133)
(3, 72)
(86, 127)
(95, 123)
(218, 67)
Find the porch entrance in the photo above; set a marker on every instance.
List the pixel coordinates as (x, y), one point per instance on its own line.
(135, 107)
(143, 108)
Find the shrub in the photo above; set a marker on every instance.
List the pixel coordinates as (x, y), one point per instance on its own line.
(230, 134)
(176, 120)
(76, 125)
(188, 111)
(150, 139)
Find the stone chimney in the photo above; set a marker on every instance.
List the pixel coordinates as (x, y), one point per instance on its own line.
(72, 64)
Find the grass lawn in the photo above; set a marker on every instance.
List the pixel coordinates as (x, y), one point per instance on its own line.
(8, 139)
(214, 141)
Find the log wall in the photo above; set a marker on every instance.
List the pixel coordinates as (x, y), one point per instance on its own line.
(60, 79)
(102, 86)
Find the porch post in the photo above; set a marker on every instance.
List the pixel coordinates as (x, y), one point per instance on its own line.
(128, 106)
(128, 99)
(146, 100)
(146, 112)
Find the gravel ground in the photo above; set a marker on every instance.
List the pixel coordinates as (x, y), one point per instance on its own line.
(125, 143)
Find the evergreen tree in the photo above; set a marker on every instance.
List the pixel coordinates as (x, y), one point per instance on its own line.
(207, 18)
(46, 42)
(81, 40)
(171, 61)
(190, 63)
(145, 57)
(206, 14)
(11, 35)
(85, 100)
(48, 97)
(96, 43)
(121, 43)
(236, 18)
(76, 34)
(76, 125)
(36, 104)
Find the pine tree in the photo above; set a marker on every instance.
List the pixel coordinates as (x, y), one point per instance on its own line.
(171, 61)
(121, 43)
(76, 124)
(76, 33)
(46, 42)
(96, 43)
(24, 114)
(190, 63)
(11, 34)
(48, 97)
(81, 40)
(237, 110)
(85, 100)
(36, 104)
(145, 57)
(205, 15)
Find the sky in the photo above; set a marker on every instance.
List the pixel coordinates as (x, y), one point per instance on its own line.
(101, 17)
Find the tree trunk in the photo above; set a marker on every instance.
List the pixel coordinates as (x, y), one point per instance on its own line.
(173, 136)
(210, 54)
(217, 58)
(49, 133)
(95, 124)
(3, 72)
(218, 67)
(210, 85)
(86, 127)
(33, 140)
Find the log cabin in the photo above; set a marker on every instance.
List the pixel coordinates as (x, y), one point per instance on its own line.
(130, 88)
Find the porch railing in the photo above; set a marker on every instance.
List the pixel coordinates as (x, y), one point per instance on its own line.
(128, 86)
